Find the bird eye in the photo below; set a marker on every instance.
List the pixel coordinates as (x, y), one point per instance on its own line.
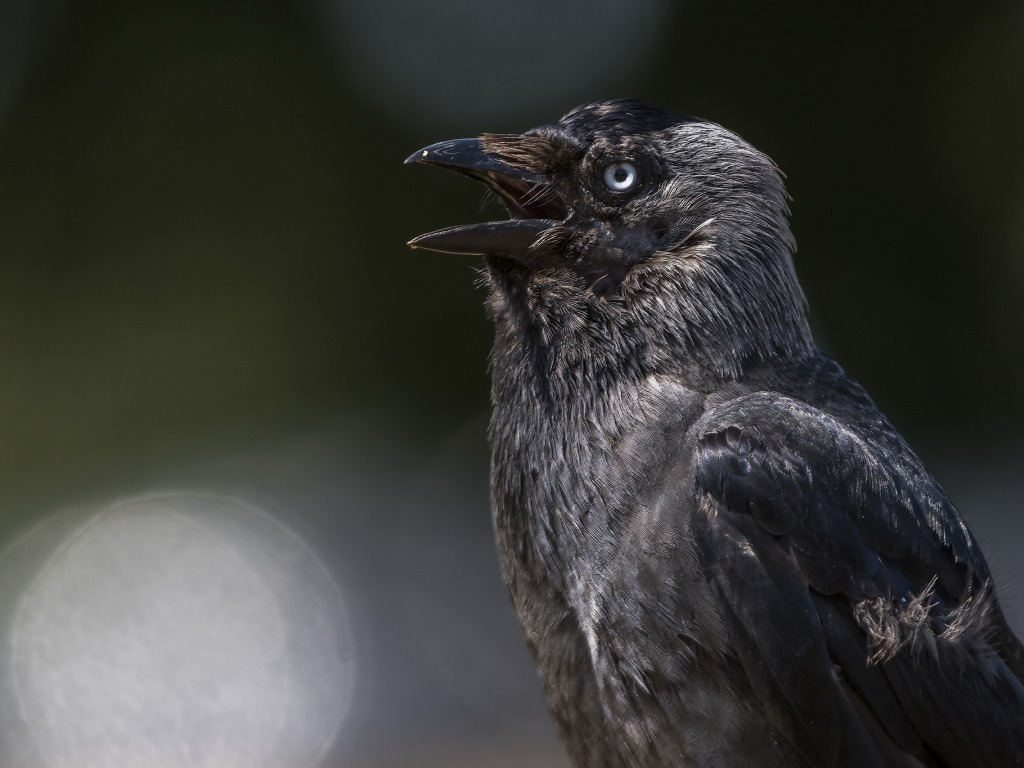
(621, 176)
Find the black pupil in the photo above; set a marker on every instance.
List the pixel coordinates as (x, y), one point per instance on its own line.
(621, 174)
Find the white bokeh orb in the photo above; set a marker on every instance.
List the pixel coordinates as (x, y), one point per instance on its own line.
(180, 630)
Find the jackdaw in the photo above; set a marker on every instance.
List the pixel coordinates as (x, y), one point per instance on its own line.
(719, 551)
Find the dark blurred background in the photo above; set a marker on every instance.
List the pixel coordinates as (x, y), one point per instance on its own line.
(204, 282)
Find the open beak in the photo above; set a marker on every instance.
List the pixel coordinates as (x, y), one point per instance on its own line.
(532, 205)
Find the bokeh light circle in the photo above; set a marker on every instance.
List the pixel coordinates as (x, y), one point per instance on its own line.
(453, 59)
(181, 630)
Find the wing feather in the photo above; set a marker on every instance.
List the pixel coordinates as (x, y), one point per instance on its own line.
(854, 586)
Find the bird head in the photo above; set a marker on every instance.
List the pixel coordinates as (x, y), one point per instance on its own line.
(668, 223)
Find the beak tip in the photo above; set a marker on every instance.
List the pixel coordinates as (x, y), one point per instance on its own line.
(416, 157)
(455, 154)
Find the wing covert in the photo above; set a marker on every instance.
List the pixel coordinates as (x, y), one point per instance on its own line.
(809, 526)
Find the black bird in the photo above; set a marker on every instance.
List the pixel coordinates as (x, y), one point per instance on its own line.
(720, 552)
